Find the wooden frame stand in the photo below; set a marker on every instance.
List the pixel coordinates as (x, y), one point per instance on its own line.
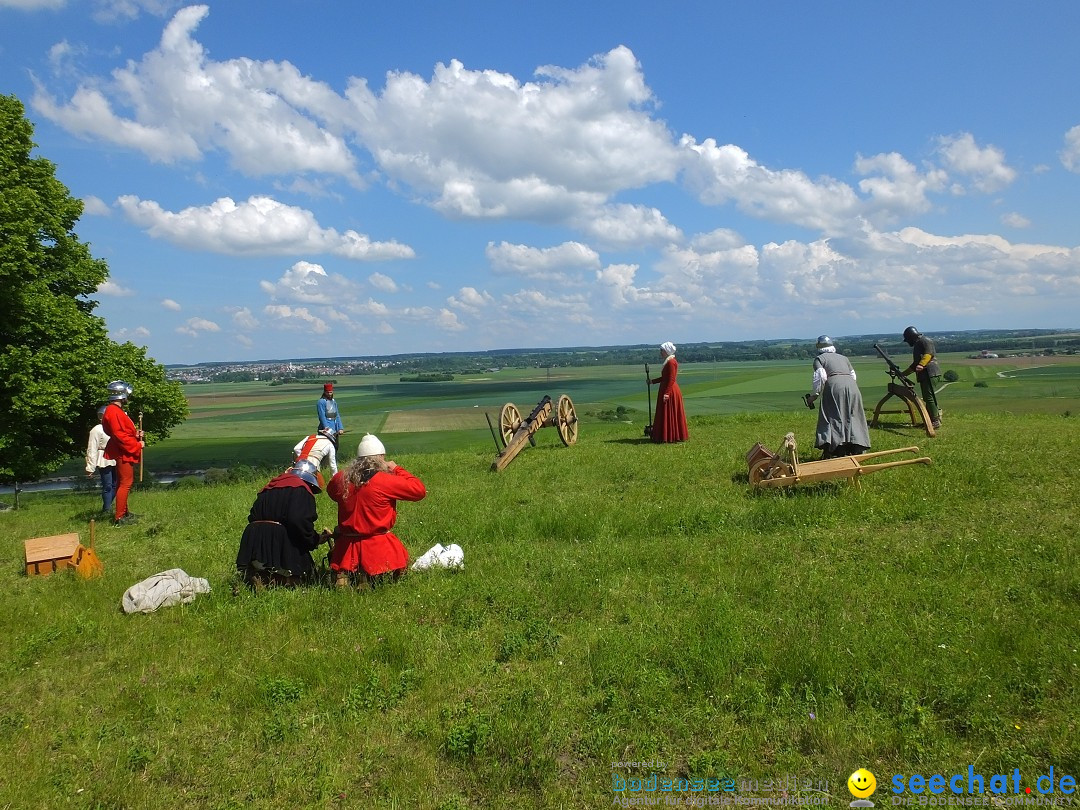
(916, 410)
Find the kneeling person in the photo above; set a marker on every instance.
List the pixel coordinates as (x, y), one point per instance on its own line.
(367, 492)
(280, 535)
(316, 448)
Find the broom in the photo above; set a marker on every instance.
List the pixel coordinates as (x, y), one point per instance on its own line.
(89, 565)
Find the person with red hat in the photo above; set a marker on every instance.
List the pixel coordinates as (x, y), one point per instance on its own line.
(329, 416)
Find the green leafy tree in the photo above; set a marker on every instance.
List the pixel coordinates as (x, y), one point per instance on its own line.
(55, 354)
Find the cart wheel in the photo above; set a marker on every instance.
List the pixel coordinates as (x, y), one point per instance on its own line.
(771, 473)
(566, 420)
(509, 422)
(757, 472)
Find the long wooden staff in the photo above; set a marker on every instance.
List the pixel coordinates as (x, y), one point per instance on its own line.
(648, 398)
(142, 450)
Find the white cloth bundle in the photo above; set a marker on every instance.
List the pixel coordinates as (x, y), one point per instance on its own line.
(440, 556)
(172, 587)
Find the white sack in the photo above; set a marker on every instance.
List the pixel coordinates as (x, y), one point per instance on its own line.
(172, 587)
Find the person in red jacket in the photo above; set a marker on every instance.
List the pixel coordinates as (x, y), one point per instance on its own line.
(367, 492)
(670, 422)
(124, 447)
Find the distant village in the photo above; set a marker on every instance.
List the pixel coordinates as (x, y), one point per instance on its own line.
(1006, 343)
(270, 371)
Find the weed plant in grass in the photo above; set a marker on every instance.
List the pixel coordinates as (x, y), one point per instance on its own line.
(621, 602)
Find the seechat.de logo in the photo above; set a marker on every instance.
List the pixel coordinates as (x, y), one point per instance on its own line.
(862, 785)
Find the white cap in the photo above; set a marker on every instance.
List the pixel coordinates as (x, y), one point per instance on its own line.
(370, 446)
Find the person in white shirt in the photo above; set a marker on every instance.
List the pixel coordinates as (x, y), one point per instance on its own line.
(316, 448)
(97, 463)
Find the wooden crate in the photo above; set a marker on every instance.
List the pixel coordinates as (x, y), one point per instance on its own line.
(758, 452)
(47, 554)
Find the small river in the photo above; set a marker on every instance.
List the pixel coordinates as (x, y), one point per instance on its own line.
(63, 484)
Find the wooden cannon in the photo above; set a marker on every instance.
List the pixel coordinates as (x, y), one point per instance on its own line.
(516, 432)
(783, 468)
(904, 389)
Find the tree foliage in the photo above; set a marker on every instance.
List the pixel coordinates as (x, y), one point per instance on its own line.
(55, 354)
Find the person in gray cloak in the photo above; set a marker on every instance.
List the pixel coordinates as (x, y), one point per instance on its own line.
(841, 426)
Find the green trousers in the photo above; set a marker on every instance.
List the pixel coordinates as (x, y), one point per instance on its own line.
(928, 384)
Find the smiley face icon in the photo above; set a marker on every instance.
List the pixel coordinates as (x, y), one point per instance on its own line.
(861, 783)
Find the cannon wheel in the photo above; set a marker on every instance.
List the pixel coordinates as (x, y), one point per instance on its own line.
(509, 422)
(566, 420)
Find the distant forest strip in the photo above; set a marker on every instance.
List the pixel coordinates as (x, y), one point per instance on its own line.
(441, 366)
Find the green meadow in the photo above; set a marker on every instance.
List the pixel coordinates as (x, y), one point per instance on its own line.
(626, 609)
(257, 424)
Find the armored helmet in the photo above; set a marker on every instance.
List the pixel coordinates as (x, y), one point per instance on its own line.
(307, 472)
(823, 341)
(118, 390)
(911, 334)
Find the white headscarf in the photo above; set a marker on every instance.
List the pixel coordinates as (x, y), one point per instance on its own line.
(668, 347)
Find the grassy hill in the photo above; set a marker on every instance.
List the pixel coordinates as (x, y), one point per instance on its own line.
(621, 603)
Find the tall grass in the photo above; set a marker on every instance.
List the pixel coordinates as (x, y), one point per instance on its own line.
(621, 601)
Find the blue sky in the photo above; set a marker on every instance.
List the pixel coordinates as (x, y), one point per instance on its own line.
(305, 179)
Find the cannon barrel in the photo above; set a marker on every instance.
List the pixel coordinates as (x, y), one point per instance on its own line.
(523, 434)
(894, 370)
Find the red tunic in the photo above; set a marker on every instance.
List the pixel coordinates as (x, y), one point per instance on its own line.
(124, 442)
(366, 514)
(670, 422)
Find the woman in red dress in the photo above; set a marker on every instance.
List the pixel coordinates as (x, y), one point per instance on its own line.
(670, 422)
(367, 492)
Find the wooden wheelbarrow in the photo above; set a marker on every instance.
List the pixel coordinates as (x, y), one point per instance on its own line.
(783, 469)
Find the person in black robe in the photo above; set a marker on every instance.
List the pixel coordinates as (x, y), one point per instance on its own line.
(276, 546)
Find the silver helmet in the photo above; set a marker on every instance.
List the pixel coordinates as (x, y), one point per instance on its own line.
(118, 390)
(823, 341)
(307, 472)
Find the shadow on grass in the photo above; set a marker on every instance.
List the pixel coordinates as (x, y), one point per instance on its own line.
(899, 428)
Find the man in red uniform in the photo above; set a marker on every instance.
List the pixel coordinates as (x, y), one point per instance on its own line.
(367, 492)
(124, 447)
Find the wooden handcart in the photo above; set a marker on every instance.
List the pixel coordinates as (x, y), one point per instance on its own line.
(783, 469)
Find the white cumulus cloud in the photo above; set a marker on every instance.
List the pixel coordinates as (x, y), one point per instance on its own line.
(382, 282)
(197, 326)
(114, 290)
(561, 262)
(1015, 220)
(985, 166)
(261, 225)
(1070, 155)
